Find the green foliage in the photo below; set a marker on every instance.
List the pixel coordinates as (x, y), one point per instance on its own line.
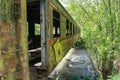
(74, 78)
(80, 44)
(37, 29)
(114, 77)
(99, 78)
(86, 78)
(100, 29)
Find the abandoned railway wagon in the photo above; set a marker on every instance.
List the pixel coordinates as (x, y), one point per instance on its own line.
(34, 37)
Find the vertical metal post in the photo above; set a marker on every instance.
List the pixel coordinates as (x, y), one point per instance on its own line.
(44, 54)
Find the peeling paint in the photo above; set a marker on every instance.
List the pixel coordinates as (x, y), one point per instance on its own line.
(14, 57)
(5, 35)
(13, 60)
(58, 51)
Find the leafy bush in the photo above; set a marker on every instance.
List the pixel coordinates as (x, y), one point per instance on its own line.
(100, 28)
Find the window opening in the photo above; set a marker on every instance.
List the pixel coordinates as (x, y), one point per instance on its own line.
(70, 28)
(67, 27)
(56, 24)
(73, 29)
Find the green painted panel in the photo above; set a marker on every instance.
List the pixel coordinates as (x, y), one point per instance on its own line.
(51, 23)
(62, 26)
(59, 49)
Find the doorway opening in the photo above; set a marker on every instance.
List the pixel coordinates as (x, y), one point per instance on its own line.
(34, 33)
(37, 38)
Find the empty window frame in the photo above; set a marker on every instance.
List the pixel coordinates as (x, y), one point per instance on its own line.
(70, 28)
(73, 29)
(56, 24)
(67, 27)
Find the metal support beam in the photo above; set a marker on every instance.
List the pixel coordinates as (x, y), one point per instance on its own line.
(44, 53)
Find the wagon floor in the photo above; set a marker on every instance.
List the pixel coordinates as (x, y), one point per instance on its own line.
(77, 65)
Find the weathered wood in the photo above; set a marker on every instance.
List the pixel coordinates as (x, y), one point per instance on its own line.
(34, 50)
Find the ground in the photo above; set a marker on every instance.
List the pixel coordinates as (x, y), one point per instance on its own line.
(77, 65)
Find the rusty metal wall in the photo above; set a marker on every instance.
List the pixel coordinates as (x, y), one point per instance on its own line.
(14, 64)
(58, 46)
(13, 40)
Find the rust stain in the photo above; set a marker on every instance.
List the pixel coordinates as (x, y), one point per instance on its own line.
(20, 58)
(21, 36)
(19, 29)
(6, 37)
(52, 41)
(10, 64)
(21, 63)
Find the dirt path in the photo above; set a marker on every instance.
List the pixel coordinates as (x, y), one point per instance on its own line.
(77, 66)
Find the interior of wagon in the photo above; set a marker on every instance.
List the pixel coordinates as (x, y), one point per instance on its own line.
(34, 34)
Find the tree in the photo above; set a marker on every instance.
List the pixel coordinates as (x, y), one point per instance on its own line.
(99, 21)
